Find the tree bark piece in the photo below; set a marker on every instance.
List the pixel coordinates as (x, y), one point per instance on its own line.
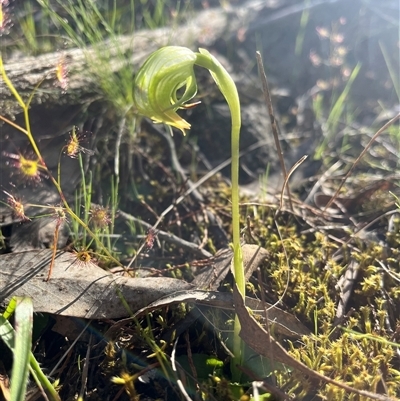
(25, 73)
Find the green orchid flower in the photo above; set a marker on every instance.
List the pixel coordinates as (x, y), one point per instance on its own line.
(157, 84)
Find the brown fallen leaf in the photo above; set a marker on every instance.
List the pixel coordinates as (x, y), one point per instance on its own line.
(78, 289)
(211, 275)
(345, 285)
(284, 323)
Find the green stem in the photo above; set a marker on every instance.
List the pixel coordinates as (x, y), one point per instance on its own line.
(229, 91)
(228, 88)
(10, 85)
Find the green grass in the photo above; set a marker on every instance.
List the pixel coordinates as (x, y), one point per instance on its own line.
(393, 70)
(19, 341)
(339, 107)
(305, 16)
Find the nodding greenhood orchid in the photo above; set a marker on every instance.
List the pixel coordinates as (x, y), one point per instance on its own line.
(166, 83)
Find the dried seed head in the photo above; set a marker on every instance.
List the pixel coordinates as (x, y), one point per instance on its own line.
(83, 257)
(322, 32)
(17, 207)
(73, 147)
(60, 215)
(5, 19)
(151, 235)
(100, 216)
(62, 74)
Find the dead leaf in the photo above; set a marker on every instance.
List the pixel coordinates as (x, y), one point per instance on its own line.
(78, 289)
(345, 285)
(211, 275)
(284, 323)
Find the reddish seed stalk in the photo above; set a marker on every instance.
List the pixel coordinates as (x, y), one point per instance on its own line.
(53, 256)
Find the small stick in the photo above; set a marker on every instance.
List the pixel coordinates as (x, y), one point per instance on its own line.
(286, 182)
(268, 102)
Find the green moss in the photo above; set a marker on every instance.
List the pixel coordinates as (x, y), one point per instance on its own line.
(304, 275)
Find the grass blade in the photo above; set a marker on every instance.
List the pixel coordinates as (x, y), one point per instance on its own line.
(22, 348)
(337, 111)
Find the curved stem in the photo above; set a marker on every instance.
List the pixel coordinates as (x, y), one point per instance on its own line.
(228, 89)
(157, 96)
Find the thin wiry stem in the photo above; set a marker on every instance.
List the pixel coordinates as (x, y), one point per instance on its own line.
(372, 140)
(274, 125)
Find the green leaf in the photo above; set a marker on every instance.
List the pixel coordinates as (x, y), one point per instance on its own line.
(22, 348)
(6, 332)
(19, 342)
